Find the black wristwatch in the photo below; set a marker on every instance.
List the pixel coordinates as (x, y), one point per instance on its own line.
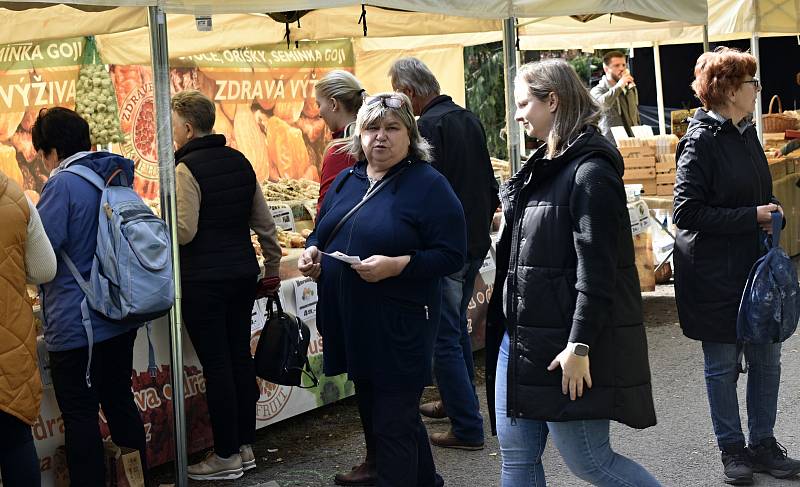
(580, 349)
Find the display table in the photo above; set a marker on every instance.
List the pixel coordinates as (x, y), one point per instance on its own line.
(154, 395)
(785, 174)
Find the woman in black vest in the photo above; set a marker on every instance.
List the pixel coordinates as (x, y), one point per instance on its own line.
(566, 311)
(219, 201)
(723, 192)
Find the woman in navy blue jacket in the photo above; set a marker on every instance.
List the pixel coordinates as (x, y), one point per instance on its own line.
(379, 316)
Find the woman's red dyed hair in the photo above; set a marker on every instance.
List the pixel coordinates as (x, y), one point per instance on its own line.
(719, 72)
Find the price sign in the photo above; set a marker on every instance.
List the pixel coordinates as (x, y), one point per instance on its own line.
(640, 217)
(282, 214)
(488, 263)
(258, 317)
(305, 298)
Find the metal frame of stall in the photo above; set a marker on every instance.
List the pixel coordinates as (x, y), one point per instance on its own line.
(160, 65)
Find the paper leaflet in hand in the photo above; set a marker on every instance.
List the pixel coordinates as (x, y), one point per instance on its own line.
(347, 259)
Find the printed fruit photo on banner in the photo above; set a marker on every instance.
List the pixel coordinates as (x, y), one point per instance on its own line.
(330, 389)
(282, 136)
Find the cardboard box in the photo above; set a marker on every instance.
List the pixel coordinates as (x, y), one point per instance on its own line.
(639, 173)
(777, 169)
(637, 151)
(648, 185)
(668, 178)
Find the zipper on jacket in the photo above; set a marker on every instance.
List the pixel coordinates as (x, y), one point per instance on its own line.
(427, 317)
(510, 308)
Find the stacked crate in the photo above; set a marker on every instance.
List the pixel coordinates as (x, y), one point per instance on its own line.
(640, 163)
(665, 146)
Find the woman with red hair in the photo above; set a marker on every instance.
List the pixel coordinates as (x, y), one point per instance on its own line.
(723, 206)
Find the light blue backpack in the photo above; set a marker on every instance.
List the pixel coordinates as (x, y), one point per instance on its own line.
(131, 281)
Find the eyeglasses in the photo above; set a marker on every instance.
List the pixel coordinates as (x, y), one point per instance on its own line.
(389, 101)
(756, 82)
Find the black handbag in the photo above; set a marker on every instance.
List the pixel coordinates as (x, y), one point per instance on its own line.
(282, 350)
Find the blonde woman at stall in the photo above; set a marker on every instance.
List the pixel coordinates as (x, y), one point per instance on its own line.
(339, 96)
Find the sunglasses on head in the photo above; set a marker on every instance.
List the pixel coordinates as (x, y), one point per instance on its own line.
(389, 101)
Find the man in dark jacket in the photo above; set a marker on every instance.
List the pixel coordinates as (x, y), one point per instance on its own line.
(461, 155)
(219, 201)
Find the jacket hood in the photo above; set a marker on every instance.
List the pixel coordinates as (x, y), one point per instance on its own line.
(105, 163)
(590, 141)
(702, 119)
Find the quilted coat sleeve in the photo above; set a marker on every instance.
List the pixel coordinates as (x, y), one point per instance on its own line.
(598, 208)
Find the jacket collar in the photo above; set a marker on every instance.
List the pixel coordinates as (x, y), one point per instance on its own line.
(439, 99)
(702, 118)
(207, 142)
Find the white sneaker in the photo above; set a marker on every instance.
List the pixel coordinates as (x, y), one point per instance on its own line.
(248, 458)
(214, 467)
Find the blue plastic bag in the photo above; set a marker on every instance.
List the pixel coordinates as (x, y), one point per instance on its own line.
(770, 306)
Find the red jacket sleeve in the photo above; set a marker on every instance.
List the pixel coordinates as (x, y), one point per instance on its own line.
(332, 164)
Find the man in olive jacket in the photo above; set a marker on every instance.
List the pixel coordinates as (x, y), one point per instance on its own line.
(617, 95)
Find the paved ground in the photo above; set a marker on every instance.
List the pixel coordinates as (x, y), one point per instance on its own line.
(679, 451)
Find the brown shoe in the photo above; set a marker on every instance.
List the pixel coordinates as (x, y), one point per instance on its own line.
(363, 474)
(449, 440)
(433, 409)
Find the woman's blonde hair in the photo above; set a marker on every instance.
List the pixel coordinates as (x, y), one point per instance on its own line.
(343, 87)
(576, 107)
(371, 113)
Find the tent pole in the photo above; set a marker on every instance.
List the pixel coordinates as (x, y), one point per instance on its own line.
(706, 47)
(159, 55)
(757, 114)
(510, 61)
(662, 126)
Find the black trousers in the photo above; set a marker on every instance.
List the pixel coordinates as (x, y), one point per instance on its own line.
(217, 316)
(19, 464)
(396, 437)
(112, 364)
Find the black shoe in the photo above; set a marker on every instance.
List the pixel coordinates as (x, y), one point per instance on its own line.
(738, 469)
(771, 457)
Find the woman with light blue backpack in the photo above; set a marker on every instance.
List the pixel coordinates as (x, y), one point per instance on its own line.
(87, 372)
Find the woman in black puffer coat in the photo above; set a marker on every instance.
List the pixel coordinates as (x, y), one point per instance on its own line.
(566, 311)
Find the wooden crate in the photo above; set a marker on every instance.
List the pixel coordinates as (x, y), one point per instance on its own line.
(640, 172)
(665, 178)
(637, 151)
(665, 189)
(645, 261)
(666, 158)
(665, 167)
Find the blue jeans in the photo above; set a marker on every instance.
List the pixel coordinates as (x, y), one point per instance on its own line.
(452, 357)
(763, 380)
(584, 446)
